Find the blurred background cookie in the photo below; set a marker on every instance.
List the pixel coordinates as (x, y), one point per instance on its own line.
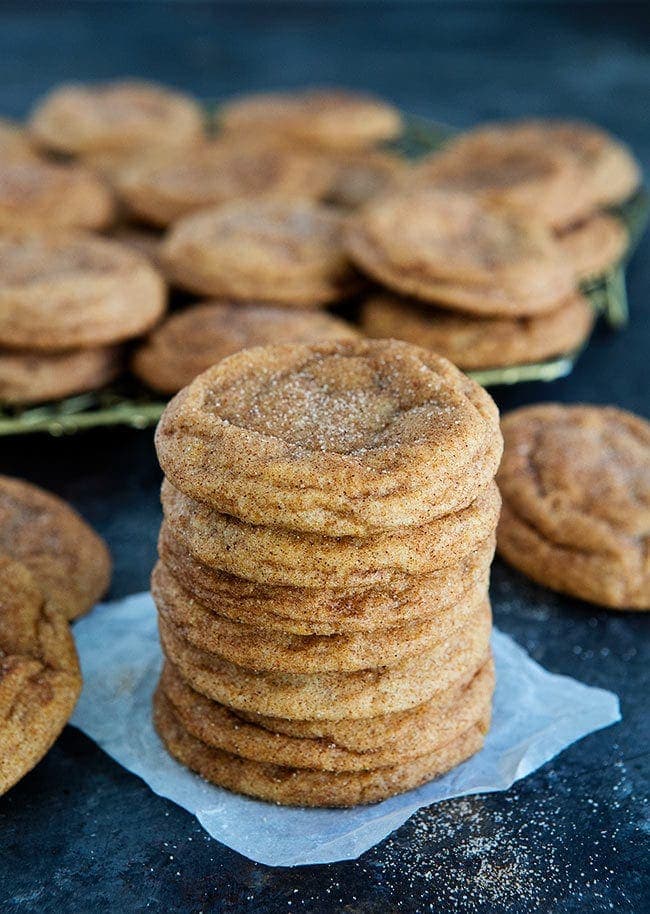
(34, 377)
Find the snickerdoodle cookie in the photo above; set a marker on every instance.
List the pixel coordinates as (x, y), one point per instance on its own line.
(277, 556)
(595, 245)
(69, 561)
(40, 195)
(480, 342)
(576, 490)
(304, 786)
(79, 119)
(71, 290)
(326, 611)
(282, 252)
(354, 178)
(252, 645)
(40, 679)
(162, 190)
(192, 340)
(34, 377)
(421, 730)
(457, 251)
(332, 695)
(344, 438)
(15, 145)
(331, 118)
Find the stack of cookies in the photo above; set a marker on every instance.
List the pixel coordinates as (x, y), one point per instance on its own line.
(500, 286)
(329, 523)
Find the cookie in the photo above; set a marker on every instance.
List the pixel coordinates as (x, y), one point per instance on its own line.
(306, 787)
(139, 238)
(40, 679)
(69, 561)
(35, 377)
(332, 695)
(15, 145)
(287, 253)
(326, 611)
(474, 343)
(354, 178)
(576, 489)
(454, 250)
(192, 340)
(273, 555)
(595, 246)
(330, 118)
(429, 727)
(343, 438)
(503, 168)
(77, 119)
(259, 648)
(71, 291)
(40, 195)
(160, 191)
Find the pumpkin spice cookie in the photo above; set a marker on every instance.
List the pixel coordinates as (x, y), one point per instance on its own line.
(326, 611)
(69, 561)
(40, 195)
(594, 246)
(576, 489)
(331, 118)
(343, 438)
(274, 555)
(454, 250)
(474, 343)
(192, 340)
(356, 177)
(77, 119)
(287, 253)
(332, 695)
(35, 377)
(258, 648)
(40, 679)
(71, 290)
(162, 190)
(217, 726)
(309, 787)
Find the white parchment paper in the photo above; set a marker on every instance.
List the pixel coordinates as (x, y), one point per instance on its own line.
(536, 715)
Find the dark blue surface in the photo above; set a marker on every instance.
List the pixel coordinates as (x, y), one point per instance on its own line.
(79, 834)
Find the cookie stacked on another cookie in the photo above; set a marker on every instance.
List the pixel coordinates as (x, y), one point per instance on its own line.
(329, 526)
(482, 282)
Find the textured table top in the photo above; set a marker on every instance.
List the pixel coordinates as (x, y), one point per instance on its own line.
(79, 834)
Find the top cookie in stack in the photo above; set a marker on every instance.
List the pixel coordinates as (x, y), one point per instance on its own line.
(329, 524)
(490, 240)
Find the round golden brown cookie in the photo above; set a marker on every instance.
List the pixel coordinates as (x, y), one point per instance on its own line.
(40, 679)
(192, 340)
(457, 251)
(38, 195)
(259, 648)
(576, 488)
(35, 377)
(326, 611)
(511, 171)
(344, 438)
(15, 145)
(332, 695)
(473, 343)
(605, 172)
(303, 786)
(221, 728)
(162, 190)
(281, 252)
(274, 555)
(330, 118)
(69, 561)
(357, 177)
(72, 291)
(595, 246)
(79, 119)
